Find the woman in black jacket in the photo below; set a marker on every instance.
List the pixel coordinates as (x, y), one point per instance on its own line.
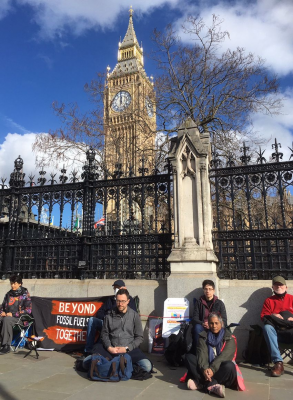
(212, 367)
(16, 303)
(203, 307)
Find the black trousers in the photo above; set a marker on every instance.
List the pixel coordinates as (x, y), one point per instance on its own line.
(226, 374)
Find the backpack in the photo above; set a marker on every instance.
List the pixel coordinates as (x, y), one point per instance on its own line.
(115, 370)
(180, 344)
(257, 351)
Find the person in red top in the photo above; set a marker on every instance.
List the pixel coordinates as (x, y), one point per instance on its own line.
(273, 306)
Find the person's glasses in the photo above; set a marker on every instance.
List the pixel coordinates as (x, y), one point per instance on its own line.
(121, 301)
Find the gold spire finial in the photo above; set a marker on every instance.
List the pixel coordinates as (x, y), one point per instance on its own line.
(130, 11)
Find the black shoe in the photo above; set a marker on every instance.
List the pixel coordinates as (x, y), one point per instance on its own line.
(5, 349)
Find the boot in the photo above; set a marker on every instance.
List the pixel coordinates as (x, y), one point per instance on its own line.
(278, 369)
(5, 349)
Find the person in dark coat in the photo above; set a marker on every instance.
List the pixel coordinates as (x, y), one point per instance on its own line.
(203, 307)
(16, 303)
(96, 323)
(213, 367)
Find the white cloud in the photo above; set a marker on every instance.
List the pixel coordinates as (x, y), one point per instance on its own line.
(5, 7)
(278, 126)
(15, 145)
(10, 123)
(55, 17)
(47, 60)
(263, 27)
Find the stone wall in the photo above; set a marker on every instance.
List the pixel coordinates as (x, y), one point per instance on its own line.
(152, 294)
(243, 299)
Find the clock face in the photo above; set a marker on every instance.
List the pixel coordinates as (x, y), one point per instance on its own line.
(149, 106)
(121, 101)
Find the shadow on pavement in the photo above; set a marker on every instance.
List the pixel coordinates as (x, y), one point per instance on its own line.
(265, 370)
(4, 395)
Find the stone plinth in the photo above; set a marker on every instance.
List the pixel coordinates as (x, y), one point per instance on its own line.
(192, 259)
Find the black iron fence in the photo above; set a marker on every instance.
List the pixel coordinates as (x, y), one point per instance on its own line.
(253, 215)
(93, 227)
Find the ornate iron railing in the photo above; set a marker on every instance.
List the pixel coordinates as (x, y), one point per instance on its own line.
(95, 227)
(253, 215)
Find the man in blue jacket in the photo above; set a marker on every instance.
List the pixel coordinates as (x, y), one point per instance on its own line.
(96, 323)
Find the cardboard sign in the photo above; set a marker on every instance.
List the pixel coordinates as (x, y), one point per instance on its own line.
(175, 311)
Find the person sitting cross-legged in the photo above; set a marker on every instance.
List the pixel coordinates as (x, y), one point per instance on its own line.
(95, 324)
(213, 367)
(121, 333)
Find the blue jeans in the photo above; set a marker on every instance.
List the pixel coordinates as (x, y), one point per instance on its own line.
(144, 364)
(271, 338)
(196, 331)
(93, 325)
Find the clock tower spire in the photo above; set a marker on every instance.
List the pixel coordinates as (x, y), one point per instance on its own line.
(130, 54)
(129, 108)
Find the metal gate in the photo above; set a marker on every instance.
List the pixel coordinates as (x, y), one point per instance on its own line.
(92, 227)
(253, 215)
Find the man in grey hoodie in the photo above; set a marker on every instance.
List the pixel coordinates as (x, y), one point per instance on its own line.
(122, 332)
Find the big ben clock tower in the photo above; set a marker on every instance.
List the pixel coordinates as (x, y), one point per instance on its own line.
(129, 109)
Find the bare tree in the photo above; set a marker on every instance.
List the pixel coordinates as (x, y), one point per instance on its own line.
(218, 90)
(78, 131)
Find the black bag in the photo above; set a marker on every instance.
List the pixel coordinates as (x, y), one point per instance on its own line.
(257, 351)
(179, 345)
(140, 374)
(283, 327)
(79, 365)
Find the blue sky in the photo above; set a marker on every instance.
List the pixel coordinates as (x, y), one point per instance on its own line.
(50, 48)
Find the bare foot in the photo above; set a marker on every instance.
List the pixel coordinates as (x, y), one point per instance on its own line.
(191, 384)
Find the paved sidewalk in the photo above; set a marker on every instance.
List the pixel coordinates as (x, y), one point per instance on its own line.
(52, 377)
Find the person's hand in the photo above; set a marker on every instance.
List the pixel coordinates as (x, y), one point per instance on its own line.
(208, 374)
(121, 350)
(290, 319)
(205, 325)
(3, 314)
(278, 316)
(113, 350)
(9, 314)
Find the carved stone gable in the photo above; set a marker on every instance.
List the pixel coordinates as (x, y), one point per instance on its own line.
(188, 163)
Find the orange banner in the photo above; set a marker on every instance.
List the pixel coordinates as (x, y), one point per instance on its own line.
(62, 335)
(81, 308)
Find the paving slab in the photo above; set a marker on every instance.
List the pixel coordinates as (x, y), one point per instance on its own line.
(29, 394)
(61, 383)
(275, 394)
(52, 376)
